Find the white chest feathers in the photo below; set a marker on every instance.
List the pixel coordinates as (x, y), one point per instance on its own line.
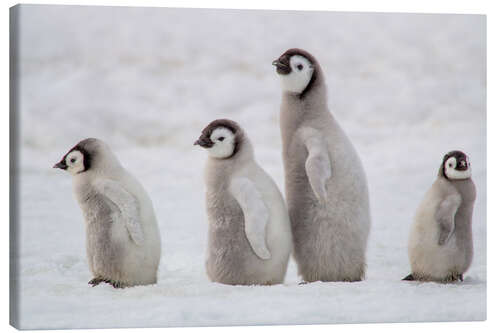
(300, 75)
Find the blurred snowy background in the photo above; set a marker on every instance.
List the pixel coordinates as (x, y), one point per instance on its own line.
(407, 88)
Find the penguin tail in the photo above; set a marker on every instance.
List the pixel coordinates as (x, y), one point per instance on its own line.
(408, 278)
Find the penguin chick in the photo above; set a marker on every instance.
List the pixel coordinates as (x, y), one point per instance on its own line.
(122, 237)
(326, 189)
(249, 236)
(440, 243)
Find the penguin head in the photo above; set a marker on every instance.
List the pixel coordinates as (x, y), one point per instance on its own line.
(456, 166)
(221, 138)
(297, 71)
(86, 155)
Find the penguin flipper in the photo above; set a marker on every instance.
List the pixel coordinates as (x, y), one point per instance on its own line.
(445, 216)
(255, 213)
(409, 277)
(318, 164)
(128, 207)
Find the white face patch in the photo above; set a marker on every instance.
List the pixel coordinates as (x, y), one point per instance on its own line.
(223, 140)
(74, 161)
(452, 173)
(298, 79)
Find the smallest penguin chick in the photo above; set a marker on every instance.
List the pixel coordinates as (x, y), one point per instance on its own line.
(440, 244)
(249, 234)
(123, 241)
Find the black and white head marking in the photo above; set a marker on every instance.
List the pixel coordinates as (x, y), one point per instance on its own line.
(221, 138)
(456, 166)
(76, 160)
(296, 69)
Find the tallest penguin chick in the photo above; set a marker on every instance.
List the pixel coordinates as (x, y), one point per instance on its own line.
(325, 183)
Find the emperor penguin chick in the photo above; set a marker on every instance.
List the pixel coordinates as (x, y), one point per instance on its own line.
(123, 241)
(326, 189)
(440, 244)
(249, 234)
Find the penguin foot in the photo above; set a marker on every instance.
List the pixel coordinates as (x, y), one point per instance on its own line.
(96, 281)
(409, 277)
(116, 284)
(352, 280)
(456, 277)
(303, 283)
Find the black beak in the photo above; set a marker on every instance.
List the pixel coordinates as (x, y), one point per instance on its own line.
(61, 165)
(281, 68)
(462, 165)
(204, 143)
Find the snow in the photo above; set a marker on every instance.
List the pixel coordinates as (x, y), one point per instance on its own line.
(407, 88)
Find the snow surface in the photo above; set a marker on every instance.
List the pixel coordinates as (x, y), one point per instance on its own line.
(407, 88)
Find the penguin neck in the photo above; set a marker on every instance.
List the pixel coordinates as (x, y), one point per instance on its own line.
(107, 167)
(219, 170)
(101, 168)
(466, 189)
(298, 110)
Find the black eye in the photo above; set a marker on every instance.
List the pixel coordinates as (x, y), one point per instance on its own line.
(73, 160)
(449, 164)
(221, 138)
(300, 67)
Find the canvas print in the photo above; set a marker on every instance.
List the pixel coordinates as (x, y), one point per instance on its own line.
(209, 167)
